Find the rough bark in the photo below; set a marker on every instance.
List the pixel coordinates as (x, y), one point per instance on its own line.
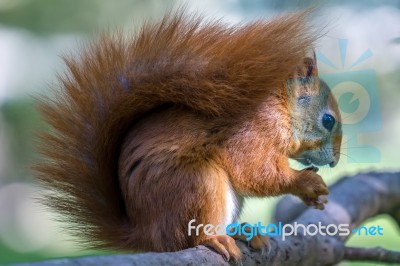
(352, 200)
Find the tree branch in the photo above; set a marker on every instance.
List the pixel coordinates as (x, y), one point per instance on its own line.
(372, 254)
(352, 200)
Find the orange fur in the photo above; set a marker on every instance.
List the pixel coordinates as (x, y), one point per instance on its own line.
(152, 131)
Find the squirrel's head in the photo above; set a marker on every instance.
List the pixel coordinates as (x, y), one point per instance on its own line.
(315, 118)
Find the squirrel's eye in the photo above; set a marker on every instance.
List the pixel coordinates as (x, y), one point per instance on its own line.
(328, 121)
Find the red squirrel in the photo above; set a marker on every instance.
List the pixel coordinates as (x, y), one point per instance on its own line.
(181, 121)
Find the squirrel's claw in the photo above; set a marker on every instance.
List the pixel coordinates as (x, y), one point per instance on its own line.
(258, 242)
(313, 168)
(224, 245)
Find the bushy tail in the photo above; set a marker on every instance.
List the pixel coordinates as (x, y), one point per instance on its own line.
(206, 66)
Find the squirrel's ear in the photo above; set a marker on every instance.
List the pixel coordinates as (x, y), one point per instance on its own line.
(304, 82)
(309, 66)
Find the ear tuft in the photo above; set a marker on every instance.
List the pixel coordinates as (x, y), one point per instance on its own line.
(308, 68)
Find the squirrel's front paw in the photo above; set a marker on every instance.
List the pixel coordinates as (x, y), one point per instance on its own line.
(311, 188)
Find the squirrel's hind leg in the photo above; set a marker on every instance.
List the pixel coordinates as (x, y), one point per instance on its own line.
(169, 176)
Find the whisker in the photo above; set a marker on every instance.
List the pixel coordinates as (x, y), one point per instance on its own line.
(356, 148)
(347, 140)
(350, 157)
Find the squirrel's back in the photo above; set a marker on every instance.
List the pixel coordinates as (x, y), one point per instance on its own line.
(209, 68)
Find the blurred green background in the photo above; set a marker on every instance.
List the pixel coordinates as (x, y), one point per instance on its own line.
(35, 33)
